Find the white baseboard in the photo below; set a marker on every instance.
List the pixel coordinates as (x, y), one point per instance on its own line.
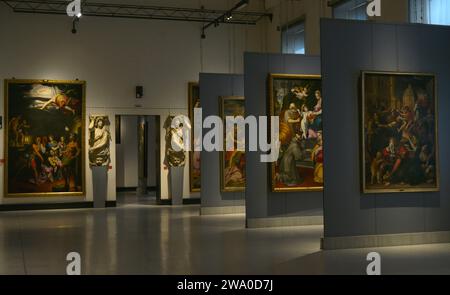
(374, 241)
(204, 211)
(284, 221)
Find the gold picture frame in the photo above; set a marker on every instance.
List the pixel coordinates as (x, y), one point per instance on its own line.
(237, 170)
(194, 172)
(394, 160)
(59, 102)
(285, 97)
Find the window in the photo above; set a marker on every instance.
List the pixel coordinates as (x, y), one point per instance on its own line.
(351, 9)
(293, 38)
(436, 12)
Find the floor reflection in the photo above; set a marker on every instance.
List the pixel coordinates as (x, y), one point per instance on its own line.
(141, 238)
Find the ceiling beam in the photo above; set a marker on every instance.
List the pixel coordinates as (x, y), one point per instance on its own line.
(135, 11)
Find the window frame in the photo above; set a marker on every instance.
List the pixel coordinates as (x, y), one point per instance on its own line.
(292, 23)
(422, 21)
(334, 3)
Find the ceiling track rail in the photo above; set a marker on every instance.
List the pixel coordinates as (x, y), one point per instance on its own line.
(136, 11)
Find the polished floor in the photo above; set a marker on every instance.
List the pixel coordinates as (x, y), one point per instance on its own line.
(141, 238)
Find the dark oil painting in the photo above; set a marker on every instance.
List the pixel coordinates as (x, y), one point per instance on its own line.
(297, 101)
(45, 138)
(195, 178)
(233, 164)
(400, 152)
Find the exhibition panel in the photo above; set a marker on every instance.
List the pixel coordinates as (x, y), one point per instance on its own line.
(214, 199)
(394, 114)
(265, 208)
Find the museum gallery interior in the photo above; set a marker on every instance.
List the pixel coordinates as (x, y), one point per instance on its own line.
(225, 137)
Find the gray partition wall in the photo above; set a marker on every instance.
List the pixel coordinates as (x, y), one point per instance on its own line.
(213, 201)
(352, 219)
(265, 208)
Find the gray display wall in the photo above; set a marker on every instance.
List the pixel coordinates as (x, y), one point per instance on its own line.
(263, 207)
(213, 201)
(347, 48)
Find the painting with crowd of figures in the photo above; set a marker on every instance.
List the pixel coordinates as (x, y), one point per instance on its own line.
(399, 133)
(297, 101)
(44, 143)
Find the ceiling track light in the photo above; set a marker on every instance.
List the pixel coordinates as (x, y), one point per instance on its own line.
(226, 17)
(76, 19)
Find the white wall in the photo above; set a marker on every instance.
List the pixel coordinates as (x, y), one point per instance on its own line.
(115, 55)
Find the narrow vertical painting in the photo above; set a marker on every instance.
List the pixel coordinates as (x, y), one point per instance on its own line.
(232, 163)
(44, 143)
(195, 179)
(297, 101)
(399, 133)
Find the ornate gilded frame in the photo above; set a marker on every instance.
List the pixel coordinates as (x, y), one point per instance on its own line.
(7, 82)
(224, 189)
(272, 171)
(366, 190)
(191, 86)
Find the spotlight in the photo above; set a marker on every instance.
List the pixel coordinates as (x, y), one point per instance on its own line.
(229, 16)
(203, 34)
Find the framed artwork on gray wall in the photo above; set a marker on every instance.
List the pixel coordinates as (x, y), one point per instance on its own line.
(232, 163)
(399, 132)
(195, 178)
(297, 101)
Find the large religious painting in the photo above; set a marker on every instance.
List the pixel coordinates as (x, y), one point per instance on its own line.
(232, 163)
(297, 101)
(44, 143)
(195, 164)
(399, 134)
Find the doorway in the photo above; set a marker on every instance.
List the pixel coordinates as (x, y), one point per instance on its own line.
(137, 159)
